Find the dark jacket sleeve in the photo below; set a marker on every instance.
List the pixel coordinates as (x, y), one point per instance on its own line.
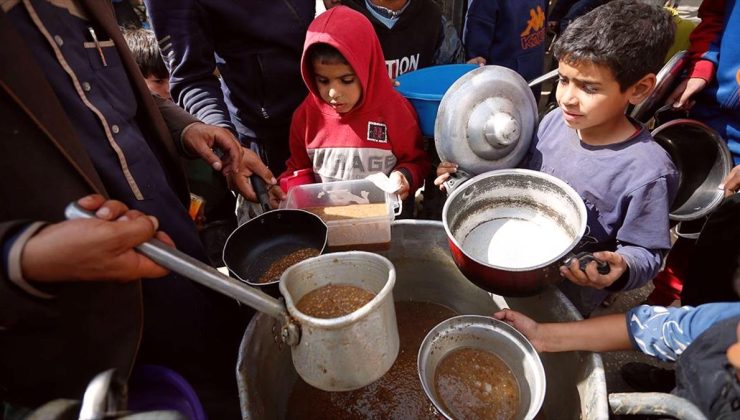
(186, 41)
(480, 28)
(175, 117)
(560, 9)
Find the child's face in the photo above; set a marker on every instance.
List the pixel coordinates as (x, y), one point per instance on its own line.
(159, 86)
(338, 85)
(589, 96)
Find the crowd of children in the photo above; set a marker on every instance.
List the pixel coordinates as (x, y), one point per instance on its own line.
(317, 93)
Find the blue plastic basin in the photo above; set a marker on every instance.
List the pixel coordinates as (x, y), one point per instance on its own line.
(153, 388)
(425, 88)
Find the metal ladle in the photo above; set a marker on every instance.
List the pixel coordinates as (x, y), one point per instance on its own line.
(344, 339)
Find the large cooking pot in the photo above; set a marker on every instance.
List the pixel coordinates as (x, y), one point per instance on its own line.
(509, 230)
(425, 272)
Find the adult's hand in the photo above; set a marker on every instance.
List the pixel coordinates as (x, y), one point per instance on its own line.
(200, 139)
(100, 248)
(731, 183)
(681, 96)
(591, 277)
(249, 164)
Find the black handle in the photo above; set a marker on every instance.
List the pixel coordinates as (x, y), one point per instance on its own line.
(586, 257)
(260, 188)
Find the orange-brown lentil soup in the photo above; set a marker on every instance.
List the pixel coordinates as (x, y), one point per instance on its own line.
(476, 384)
(397, 395)
(333, 300)
(276, 269)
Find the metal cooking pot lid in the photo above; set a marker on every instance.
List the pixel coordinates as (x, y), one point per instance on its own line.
(486, 120)
(666, 80)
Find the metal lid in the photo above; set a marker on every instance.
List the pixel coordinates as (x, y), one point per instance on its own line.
(486, 120)
(666, 80)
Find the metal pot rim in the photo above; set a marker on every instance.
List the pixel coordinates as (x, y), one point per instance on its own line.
(455, 325)
(351, 318)
(517, 171)
(265, 215)
(724, 155)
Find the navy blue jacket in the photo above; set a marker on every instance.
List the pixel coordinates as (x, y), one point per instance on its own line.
(509, 33)
(256, 46)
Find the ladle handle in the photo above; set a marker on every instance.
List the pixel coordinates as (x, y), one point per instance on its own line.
(195, 270)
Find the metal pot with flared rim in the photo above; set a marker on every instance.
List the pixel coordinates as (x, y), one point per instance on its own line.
(510, 230)
(341, 338)
(487, 334)
(368, 336)
(703, 161)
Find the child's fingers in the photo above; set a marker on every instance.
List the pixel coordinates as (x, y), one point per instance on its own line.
(440, 180)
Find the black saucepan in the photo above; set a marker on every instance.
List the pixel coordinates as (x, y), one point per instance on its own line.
(274, 235)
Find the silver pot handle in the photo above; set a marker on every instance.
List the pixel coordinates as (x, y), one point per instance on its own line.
(195, 270)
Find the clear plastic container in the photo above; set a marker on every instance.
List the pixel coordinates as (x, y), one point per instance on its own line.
(358, 213)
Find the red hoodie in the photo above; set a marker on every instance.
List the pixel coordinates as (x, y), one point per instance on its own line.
(380, 134)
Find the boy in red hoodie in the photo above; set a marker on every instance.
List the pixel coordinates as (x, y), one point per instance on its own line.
(353, 122)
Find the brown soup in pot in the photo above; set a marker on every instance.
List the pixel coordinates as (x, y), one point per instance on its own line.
(397, 395)
(333, 300)
(474, 383)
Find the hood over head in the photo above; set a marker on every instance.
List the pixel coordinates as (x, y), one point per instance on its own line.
(353, 35)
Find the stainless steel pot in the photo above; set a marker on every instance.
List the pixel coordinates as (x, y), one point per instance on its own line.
(425, 272)
(509, 230)
(703, 161)
(343, 338)
(497, 337)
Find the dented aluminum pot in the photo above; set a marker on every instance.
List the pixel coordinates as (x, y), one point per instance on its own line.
(351, 351)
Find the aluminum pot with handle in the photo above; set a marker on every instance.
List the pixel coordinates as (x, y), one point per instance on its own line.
(368, 336)
(510, 230)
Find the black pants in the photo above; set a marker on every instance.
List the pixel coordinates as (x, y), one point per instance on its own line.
(712, 269)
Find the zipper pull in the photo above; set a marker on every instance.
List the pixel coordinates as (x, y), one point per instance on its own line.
(97, 45)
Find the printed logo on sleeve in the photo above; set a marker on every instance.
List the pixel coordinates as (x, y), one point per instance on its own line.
(377, 132)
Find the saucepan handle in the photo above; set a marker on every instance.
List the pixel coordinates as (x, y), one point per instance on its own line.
(586, 257)
(456, 179)
(195, 270)
(260, 189)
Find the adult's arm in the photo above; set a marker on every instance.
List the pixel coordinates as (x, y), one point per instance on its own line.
(101, 248)
(185, 38)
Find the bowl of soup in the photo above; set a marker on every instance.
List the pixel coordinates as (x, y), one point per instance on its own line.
(473, 366)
